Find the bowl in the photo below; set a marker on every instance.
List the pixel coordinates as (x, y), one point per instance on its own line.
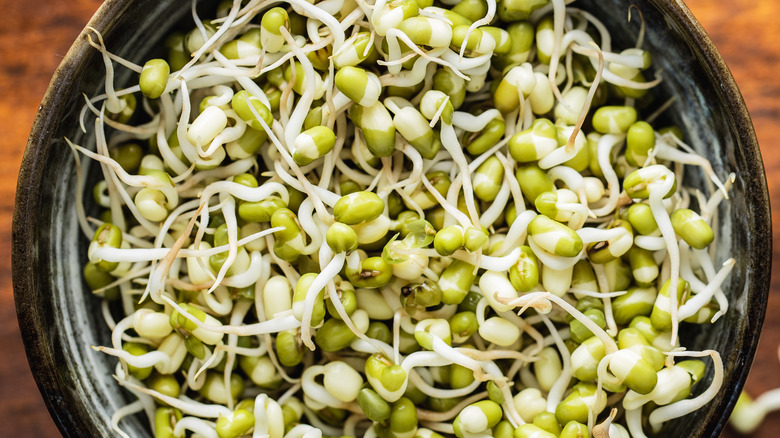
(60, 320)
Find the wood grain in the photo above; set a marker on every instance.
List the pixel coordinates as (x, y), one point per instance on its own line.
(35, 36)
(33, 40)
(746, 33)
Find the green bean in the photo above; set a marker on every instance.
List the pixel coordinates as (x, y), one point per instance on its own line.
(645, 326)
(488, 179)
(634, 371)
(547, 422)
(260, 211)
(471, 9)
(248, 44)
(378, 330)
(241, 105)
(420, 295)
(692, 228)
(348, 300)
(374, 272)
(575, 429)
(389, 376)
(481, 142)
(374, 407)
(196, 38)
(137, 349)
(641, 219)
(503, 429)
(579, 333)
(320, 58)
(414, 394)
(533, 181)
(460, 376)
(643, 266)
(432, 103)
(403, 417)
(356, 50)
(440, 181)
(618, 274)
(518, 81)
(426, 330)
(448, 240)
(475, 239)
(524, 274)
(177, 58)
(530, 430)
(547, 368)
(106, 236)
(289, 349)
(639, 141)
(576, 405)
(449, 83)
(425, 31)
(313, 144)
(521, 36)
(128, 155)
(463, 325)
(637, 184)
(239, 423)
(519, 9)
(494, 392)
(660, 316)
(544, 37)
(165, 420)
(260, 370)
(535, 142)
(614, 119)
(377, 127)
(555, 237)
(632, 339)
(608, 250)
(455, 281)
(478, 42)
(97, 278)
(154, 78)
(127, 105)
(361, 86)
(583, 277)
(585, 359)
(636, 302)
(587, 303)
(270, 35)
(415, 129)
(286, 219)
(477, 417)
(334, 335)
(582, 157)
(301, 290)
(470, 302)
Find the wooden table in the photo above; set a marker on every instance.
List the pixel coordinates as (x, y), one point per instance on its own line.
(36, 34)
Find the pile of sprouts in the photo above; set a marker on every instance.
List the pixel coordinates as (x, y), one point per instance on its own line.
(404, 218)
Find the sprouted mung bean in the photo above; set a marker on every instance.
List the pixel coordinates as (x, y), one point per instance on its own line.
(749, 412)
(399, 219)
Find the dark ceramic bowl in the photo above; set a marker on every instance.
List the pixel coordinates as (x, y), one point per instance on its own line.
(60, 320)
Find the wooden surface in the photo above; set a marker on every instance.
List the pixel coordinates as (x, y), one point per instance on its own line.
(36, 34)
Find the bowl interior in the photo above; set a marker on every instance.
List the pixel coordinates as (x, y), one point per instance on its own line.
(60, 320)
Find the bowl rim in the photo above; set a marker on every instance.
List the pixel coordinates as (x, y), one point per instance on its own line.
(761, 261)
(67, 411)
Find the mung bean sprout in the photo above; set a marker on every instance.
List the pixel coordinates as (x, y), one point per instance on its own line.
(399, 218)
